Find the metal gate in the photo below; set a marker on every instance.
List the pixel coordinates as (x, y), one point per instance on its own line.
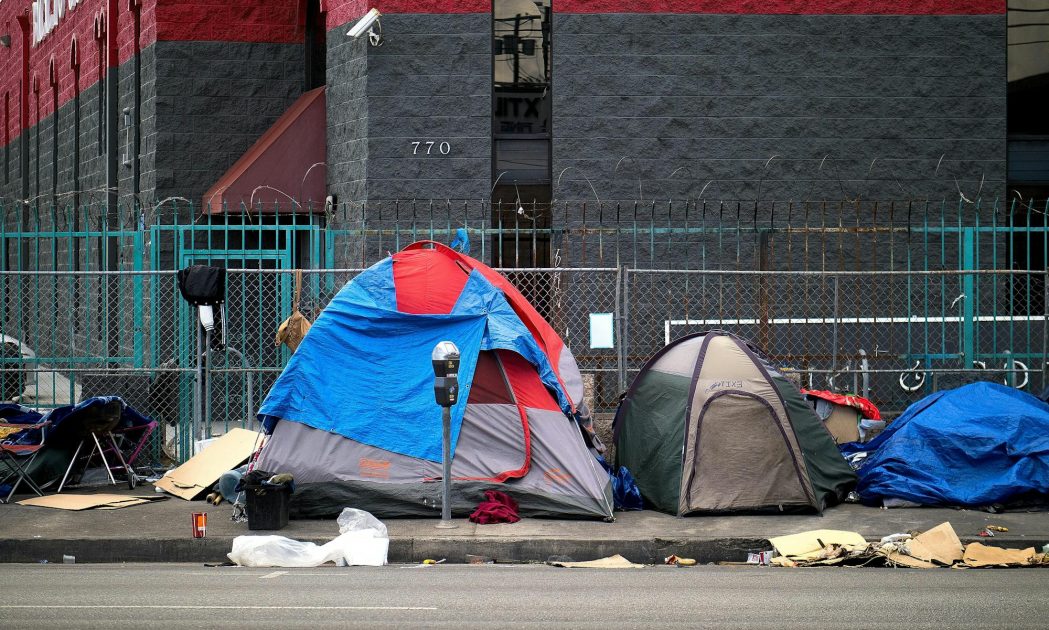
(241, 361)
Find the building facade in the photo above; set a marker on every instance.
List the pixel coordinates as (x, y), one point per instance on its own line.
(518, 104)
(629, 140)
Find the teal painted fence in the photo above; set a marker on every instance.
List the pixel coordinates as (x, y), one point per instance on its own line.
(897, 298)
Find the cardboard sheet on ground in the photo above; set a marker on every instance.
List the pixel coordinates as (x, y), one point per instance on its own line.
(904, 560)
(939, 545)
(203, 469)
(977, 555)
(77, 502)
(612, 562)
(806, 545)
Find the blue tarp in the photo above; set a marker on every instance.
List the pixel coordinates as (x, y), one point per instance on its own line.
(977, 445)
(625, 494)
(60, 417)
(364, 369)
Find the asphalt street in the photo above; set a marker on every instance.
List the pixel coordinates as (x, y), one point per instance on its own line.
(496, 596)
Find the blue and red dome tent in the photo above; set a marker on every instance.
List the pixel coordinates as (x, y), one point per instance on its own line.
(353, 416)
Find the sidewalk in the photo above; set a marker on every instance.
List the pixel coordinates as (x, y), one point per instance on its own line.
(160, 532)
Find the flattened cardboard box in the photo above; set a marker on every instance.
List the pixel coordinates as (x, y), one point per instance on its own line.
(203, 469)
(77, 502)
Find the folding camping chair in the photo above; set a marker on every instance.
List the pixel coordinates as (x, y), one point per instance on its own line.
(133, 441)
(95, 422)
(11, 454)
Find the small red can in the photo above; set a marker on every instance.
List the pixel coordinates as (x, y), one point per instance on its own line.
(200, 524)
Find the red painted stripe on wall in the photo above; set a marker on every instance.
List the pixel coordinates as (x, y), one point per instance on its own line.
(255, 21)
(53, 66)
(786, 7)
(343, 11)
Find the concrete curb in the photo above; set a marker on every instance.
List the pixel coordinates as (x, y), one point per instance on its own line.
(214, 549)
(407, 550)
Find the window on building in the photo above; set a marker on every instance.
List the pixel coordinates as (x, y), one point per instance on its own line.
(1028, 144)
(315, 60)
(521, 132)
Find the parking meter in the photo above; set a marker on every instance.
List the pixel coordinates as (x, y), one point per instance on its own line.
(445, 359)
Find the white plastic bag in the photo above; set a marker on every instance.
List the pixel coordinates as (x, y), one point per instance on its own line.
(362, 541)
(352, 520)
(278, 551)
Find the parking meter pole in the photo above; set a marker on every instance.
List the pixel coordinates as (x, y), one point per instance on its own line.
(205, 432)
(446, 478)
(445, 360)
(198, 398)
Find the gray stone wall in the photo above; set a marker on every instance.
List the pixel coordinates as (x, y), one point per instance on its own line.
(144, 123)
(212, 102)
(429, 82)
(347, 108)
(12, 176)
(695, 106)
(75, 174)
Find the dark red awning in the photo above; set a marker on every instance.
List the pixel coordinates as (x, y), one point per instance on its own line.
(289, 158)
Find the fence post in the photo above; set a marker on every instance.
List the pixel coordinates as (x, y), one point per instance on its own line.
(834, 330)
(763, 291)
(625, 345)
(137, 293)
(1010, 367)
(968, 297)
(620, 355)
(1045, 328)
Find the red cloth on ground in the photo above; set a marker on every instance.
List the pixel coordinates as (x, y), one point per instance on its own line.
(498, 507)
(865, 406)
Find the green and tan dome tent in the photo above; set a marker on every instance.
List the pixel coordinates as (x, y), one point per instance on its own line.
(709, 426)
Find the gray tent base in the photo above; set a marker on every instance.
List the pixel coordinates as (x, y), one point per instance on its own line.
(412, 500)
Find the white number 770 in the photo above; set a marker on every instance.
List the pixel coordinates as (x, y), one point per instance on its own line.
(444, 147)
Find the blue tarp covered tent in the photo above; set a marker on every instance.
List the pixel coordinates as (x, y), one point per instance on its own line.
(367, 366)
(977, 445)
(353, 417)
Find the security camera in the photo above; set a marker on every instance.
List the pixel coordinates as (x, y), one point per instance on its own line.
(364, 25)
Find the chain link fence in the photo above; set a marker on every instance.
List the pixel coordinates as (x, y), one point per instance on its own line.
(892, 336)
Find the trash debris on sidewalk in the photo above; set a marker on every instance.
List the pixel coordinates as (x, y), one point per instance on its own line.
(937, 547)
(762, 557)
(679, 561)
(978, 555)
(819, 544)
(611, 562)
(425, 564)
(200, 473)
(77, 502)
(363, 540)
(475, 559)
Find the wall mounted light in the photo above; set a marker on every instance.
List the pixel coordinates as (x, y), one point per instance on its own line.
(5, 41)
